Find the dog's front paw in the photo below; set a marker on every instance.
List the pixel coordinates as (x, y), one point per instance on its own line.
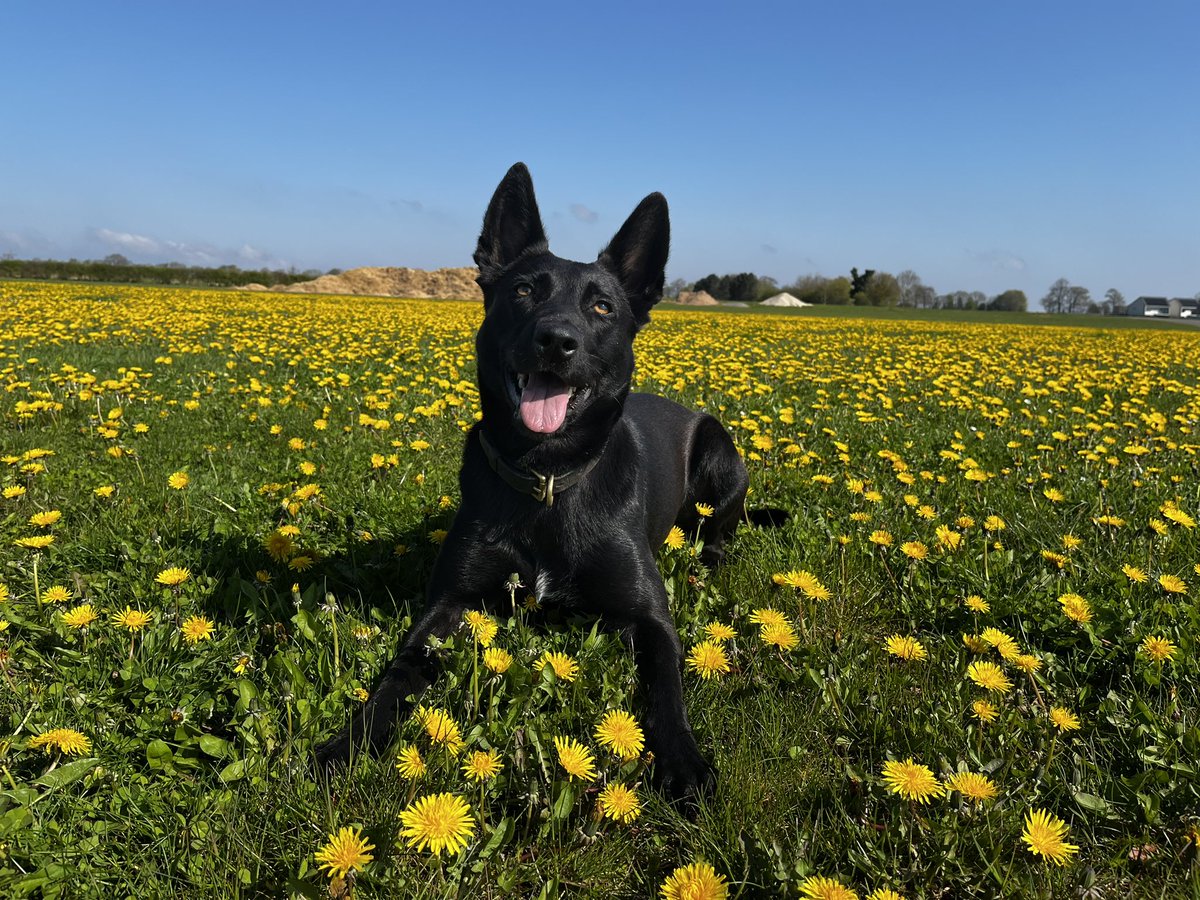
(333, 755)
(683, 775)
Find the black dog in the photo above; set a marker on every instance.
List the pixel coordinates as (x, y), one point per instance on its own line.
(569, 479)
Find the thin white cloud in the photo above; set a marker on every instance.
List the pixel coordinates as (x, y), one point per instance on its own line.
(1000, 259)
(583, 214)
(154, 250)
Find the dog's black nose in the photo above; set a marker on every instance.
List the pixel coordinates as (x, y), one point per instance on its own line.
(555, 339)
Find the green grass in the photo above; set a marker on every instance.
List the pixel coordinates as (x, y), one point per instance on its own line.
(197, 782)
(906, 314)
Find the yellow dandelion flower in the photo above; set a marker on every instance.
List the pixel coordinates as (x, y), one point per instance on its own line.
(884, 894)
(984, 711)
(1045, 834)
(1064, 719)
(881, 537)
(947, 537)
(66, 741)
(782, 636)
(973, 786)
(914, 550)
(675, 538)
(279, 545)
(704, 510)
(177, 481)
(482, 766)
(994, 523)
(911, 780)
(719, 631)
(695, 881)
(1173, 584)
(994, 637)
(45, 519)
(483, 627)
(1027, 663)
(619, 803)
(410, 764)
(1076, 608)
(437, 822)
(344, 852)
(1134, 574)
(819, 887)
(81, 616)
(708, 660)
(767, 617)
(173, 577)
(977, 604)
(575, 758)
(620, 732)
(561, 664)
(196, 629)
(131, 619)
(39, 542)
(55, 594)
(1159, 649)
(906, 647)
(989, 676)
(440, 727)
(1179, 517)
(497, 660)
(975, 643)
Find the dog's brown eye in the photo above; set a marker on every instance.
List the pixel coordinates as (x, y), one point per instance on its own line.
(603, 307)
(524, 290)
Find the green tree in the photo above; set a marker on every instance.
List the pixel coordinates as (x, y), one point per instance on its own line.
(1010, 301)
(881, 289)
(1058, 297)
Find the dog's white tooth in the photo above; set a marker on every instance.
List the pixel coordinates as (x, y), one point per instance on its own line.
(521, 379)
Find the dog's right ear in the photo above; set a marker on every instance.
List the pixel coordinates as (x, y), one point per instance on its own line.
(512, 226)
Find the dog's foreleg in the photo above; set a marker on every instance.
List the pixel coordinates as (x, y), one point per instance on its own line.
(414, 668)
(466, 570)
(679, 769)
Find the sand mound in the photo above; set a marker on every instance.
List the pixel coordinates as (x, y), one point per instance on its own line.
(697, 298)
(439, 284)
(784, 299)
(252, 286)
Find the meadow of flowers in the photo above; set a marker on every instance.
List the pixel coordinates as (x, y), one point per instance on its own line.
(966, 666)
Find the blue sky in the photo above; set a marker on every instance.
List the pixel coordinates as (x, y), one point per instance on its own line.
(985, 146)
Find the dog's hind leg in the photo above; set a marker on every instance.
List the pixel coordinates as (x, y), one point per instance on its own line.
(718, 479)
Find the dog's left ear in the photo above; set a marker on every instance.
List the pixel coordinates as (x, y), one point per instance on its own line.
(637, 255)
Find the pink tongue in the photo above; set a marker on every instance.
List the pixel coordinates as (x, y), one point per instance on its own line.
(544, 402)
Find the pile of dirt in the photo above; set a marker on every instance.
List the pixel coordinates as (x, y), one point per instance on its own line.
(439, 284)
(697, 298)
(252, 286)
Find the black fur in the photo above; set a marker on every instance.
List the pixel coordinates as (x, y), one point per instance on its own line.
(594, 548)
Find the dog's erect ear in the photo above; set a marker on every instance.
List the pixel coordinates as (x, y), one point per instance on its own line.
(512, 226)
(637, 255)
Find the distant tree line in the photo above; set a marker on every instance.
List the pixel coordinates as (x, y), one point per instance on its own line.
(866, 288)
(116, 268)
(872, 288)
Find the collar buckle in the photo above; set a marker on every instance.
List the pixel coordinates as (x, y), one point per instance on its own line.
(544, 492)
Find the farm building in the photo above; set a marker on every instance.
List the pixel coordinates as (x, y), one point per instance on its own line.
(1148, 306)
(1184, 308)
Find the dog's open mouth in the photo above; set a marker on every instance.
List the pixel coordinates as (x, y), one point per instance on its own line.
(543, 400)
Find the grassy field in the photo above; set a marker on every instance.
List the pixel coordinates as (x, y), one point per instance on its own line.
(219, 511)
